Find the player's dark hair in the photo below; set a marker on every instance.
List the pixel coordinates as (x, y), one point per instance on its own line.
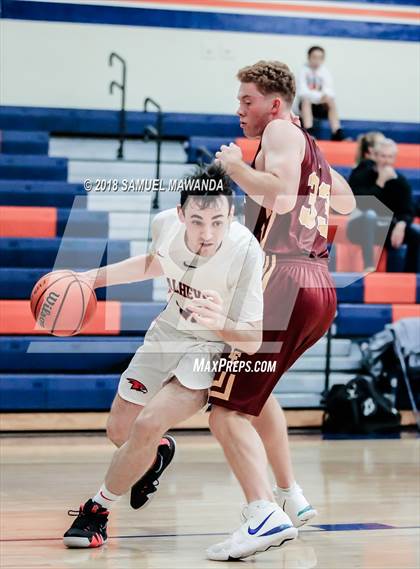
(315, 48)
(214, 182)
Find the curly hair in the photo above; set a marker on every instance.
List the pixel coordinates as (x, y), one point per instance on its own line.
(270, 77)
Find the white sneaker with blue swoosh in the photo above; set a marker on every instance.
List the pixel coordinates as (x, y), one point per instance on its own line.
(294, 503)
(266, 526)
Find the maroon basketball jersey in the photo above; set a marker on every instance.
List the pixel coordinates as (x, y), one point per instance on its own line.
(304, 230)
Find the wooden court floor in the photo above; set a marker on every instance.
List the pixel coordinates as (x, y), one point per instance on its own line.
(366, 491)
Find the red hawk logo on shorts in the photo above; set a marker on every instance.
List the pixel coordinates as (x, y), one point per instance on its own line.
(137, 385)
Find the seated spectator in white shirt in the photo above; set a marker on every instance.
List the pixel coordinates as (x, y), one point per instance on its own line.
(316, 95)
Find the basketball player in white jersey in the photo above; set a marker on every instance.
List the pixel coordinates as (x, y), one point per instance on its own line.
(213, 266)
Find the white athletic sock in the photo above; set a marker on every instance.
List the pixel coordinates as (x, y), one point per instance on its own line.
(105, 498)
(257, 504)
(293, 488)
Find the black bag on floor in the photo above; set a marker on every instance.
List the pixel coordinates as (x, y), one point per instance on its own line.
(392, 358)
(358, 408)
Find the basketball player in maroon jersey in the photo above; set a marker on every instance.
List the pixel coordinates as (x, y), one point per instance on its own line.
(290, 188)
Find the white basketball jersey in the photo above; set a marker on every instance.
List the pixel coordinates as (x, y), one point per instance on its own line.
(234, 271)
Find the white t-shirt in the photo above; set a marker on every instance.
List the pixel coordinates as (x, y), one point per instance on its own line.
(313, 84)
(234, 271)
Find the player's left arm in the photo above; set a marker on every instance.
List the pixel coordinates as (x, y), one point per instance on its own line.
(133, 269)
(342, 199)
(276, 188)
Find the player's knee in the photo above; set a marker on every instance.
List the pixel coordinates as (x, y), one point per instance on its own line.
(214, 421)
(223, 421)
(116, 431)
(201, 398)
(149, 425)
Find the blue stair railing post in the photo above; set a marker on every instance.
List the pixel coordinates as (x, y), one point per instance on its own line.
(157, 133)
(122, 87)
(202, 153)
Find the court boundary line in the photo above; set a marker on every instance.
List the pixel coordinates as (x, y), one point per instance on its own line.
(216, 534)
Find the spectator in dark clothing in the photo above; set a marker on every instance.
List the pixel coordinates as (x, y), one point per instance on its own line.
(365, 146)
(389, 221)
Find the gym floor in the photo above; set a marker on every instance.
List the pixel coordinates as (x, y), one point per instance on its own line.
(366, 492)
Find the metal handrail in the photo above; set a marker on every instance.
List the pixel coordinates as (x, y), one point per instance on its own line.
(158, 137)
(202, 153)
(122, 87)
(148, 100)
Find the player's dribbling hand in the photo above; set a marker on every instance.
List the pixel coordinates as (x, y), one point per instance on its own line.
(89, 277)
(228, 156)
(208, 310)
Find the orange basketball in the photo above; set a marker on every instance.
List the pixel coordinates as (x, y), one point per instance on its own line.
(62, 303)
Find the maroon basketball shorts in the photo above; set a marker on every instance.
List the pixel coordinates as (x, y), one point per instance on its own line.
(299, 307)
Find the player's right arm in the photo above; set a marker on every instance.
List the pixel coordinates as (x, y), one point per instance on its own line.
(342, 199)
(277, 186)
(133, 269)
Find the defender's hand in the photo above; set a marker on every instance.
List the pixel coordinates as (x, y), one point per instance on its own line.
(229, 156)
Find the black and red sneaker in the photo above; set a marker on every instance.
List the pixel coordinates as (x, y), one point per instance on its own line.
(143, 490)
(89, 528)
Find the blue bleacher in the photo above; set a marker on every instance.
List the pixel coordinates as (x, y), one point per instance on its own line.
(355, 320)
(138, 316)
(65, 120)
(27, 167)
(82, 223)
(26, 392)
(89, 354)
(17, 284)
(24, 142)
(195, 145)
(81, 121)
(400, 132)
(72, 252)
(349, 292)
(179, 125)
(42, 193)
